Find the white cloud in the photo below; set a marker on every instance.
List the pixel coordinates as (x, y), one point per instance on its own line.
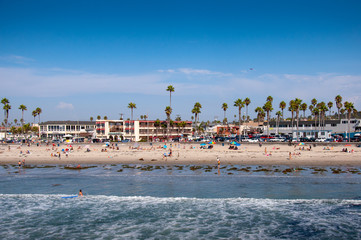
(47, 83)
(197, 83)
(191, 71)
(16, 59)
(66, 106)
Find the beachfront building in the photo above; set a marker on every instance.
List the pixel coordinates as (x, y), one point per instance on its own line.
(142, 130)
(312, 129)
(231, 130)
(66, 129)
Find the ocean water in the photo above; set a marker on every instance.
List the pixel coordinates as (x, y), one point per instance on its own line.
(180, 202)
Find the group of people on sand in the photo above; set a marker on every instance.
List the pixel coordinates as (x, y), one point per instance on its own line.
(231, 147)
(170, 154)
(21, 163)
(347, 151)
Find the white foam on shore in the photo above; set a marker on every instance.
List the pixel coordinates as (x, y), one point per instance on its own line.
(133, 217)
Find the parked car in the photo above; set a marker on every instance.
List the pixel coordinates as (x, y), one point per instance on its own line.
(125, 140)
(253, 140)
(320, 140)
(277, 139)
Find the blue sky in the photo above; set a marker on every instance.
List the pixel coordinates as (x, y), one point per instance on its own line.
(89, 58)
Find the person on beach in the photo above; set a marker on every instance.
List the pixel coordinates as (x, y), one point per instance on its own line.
(80, 193)
(19, 163)
(289, 156)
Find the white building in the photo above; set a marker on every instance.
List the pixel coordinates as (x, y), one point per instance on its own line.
(314, 129)
(141, 129)
(59, 129)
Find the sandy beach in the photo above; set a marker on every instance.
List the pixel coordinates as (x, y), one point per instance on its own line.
(185, 153)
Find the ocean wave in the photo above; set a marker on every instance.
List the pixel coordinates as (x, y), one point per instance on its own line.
(146, 217)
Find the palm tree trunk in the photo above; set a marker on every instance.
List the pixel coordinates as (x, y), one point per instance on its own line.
(297, 113)
(267, 123)
(239, 119)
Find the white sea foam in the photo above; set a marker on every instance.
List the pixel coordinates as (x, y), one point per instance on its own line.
(133, 217)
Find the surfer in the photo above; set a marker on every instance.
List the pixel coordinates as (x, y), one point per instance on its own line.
(80, 193)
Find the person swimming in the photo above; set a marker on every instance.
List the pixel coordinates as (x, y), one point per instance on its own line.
(80, 193)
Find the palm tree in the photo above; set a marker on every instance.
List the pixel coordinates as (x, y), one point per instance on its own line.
(26, 128)
(303, 108)
(38, 111)
(224, 107)
(342, 111)
(282, 106)
(198, 105)
(297, 103)
(291, 108)
(323, 109)
(105, 118)
(311, 109)
(338, 100)
(315, 112)
(269, 99)
(6, 108)
(99, 117)
(240, 104)
(247, 102)
(156, 125)
(23, 108)
(168, 112)
(314, 102)
(132, 106)
(170, 89)
(267, 107)
(34, 113)
(330, 105)
(5, 101)
(278, 114)
(91, 119)
(355, 113)
(259, 112)
(196, 111)
(349, 108)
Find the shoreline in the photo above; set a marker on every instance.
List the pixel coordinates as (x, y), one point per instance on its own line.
(269, 154)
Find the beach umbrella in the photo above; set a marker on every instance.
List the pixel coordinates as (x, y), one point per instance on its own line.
(165, 146)
(301, 144)
(238, 144)
(203, 144)
(233, 143)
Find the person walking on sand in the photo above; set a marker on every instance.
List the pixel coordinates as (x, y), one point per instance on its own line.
(219, 165)
(290, 156)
